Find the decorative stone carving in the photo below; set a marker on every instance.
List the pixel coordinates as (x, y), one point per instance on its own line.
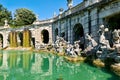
(71, 50)
(90, 49)
(104, 43)
(6, 24)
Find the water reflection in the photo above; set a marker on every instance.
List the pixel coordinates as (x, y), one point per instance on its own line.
(14, 62)
(25, 65)
(26, 61)
(1, 57)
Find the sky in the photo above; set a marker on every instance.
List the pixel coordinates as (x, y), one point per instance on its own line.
(44, 9)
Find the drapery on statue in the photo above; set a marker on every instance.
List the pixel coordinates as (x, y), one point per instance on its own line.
(90, 49)
(92, 42)
(103, 41)
(116, 40)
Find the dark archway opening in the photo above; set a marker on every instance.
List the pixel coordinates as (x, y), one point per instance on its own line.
(78, 34)
(45, 36)
(63, 35)
(20, 42)
(114, 22)
(1, 41)
(33, 42)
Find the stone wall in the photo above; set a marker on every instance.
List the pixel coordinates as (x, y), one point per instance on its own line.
(90, 16)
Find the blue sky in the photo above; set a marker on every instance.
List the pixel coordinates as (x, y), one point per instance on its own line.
(43, 8)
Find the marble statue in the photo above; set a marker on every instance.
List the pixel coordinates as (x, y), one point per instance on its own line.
(91, 46)
(6, 24)
(104, 45)
(77, 47)
(59, 44)
(102, 40)
(63, 46)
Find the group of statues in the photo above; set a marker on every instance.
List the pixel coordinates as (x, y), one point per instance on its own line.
(100, 49)
(63, 46)
(103, 49)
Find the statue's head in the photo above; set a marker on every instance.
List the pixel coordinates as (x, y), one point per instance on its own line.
(115, 34)
(102, 27)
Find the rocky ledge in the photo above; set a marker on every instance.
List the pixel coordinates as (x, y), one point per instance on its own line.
(98, 63)
(116, 68)
(19, 48)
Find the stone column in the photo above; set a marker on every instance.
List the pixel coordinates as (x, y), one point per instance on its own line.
(69, 29)
(89, 22)
(50, 34)
(53, 33)
(5, 39)
(94, 23)
(71, 35)
(66, 31)
(59, 28)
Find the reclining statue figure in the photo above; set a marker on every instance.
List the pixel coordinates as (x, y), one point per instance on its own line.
(91, 46)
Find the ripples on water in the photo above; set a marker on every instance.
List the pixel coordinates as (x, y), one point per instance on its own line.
(25, 65)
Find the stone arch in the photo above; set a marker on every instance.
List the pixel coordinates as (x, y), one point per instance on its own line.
(113, 21)
(78, 34)
(45, 36)
(1, 40)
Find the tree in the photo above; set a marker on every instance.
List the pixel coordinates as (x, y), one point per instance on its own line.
(23, 17)
(5, 15)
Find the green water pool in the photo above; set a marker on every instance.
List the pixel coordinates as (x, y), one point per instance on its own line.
(25, 65)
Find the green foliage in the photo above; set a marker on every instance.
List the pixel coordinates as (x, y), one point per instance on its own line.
(5, 15)
(24, 17)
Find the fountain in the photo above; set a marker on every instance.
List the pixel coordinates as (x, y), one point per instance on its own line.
(98, 52)
(13, 39)
(26, 38)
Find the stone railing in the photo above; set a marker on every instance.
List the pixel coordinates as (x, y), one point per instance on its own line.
(78, 7)
(46, 21)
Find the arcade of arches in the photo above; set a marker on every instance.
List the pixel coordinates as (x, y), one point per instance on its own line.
(25, 38)
(20, 38)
